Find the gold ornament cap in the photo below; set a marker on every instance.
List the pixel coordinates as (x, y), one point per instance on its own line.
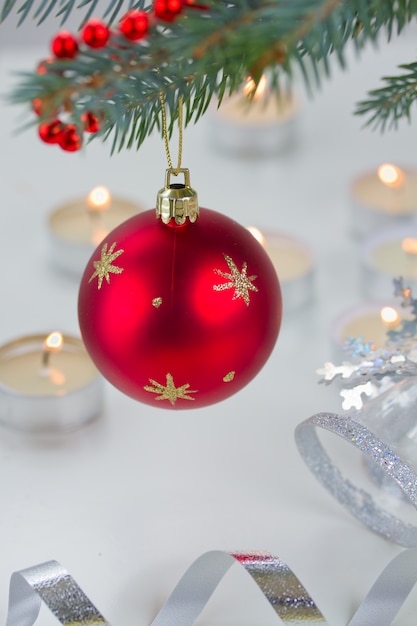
(177, 201)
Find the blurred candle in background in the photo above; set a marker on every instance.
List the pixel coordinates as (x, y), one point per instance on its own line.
(389, 253)
(48, 383)
(293, 260)
(369, 322)
(76, 228)
(382, 197)
(254, 122)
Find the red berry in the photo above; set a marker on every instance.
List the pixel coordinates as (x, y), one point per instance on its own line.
(43, 66)
(42, 107)
(167, 10)
(134, 25)
(91, 122)
(70, 140)
(195, 5)
(64, 45)
(37, 106)
(50, 132)
(95, 34)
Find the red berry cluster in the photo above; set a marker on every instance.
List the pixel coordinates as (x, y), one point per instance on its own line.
(134, 26)
(68, 136)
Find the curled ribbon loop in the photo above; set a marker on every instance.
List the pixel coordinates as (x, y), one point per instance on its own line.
(51, 583)
(278, 583)
(358, 501)
(389, 592)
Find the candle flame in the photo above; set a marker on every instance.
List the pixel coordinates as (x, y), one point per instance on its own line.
(257, 234)
(389, 316)
(54, 342)
(409, 245)
(253, 90)
(99, 199)
(390, 175)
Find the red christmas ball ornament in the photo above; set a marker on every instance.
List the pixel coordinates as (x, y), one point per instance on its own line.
(134, 25)
(167, 10)
(51, 132)
(179, 312)
(64, 45)
(70, 139)
(95, 34)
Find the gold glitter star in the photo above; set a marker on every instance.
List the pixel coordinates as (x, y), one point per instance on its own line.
(156, 302)
(239, 281)
(229, 376)
(104, 267)
(169, 391)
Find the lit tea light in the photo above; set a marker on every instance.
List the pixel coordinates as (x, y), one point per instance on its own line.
(383, 197)
(98, 199)
(53, 343)
(369, 322)
(391, 176)
(294, 263)
(389, 316)
(387, 254)
(253, 90)
(76, 228)
(48, 384)
(255, 122)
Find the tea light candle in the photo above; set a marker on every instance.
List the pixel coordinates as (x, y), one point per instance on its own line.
(255, 125)
(386, 255)
(77, 228)
(294, 263)
(48, 384)
(382, 197)
(369, 322)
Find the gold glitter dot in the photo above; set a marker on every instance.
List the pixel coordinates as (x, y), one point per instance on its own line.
(229, 376)
(156, 302)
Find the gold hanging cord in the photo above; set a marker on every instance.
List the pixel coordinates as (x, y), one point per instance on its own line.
(178, 202)
(165, 133)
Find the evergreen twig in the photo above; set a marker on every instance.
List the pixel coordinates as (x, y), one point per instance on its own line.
(389, 104)
(209, 54)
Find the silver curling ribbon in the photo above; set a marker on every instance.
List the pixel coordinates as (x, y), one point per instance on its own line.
(358, 501)
(284, 592)
(389, 592)
(49, 583)
(52, 584)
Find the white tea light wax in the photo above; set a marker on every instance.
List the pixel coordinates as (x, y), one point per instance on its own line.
(370, 322)
(294, 263)
(388, 254)
(255, 125)
(387, 195)
(76, 228)
(48, 383)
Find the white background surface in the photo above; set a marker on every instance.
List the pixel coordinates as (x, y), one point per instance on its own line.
(127, 503)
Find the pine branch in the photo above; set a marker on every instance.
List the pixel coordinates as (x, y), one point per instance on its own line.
(200, 56)
(386, 106)
(63, 8)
